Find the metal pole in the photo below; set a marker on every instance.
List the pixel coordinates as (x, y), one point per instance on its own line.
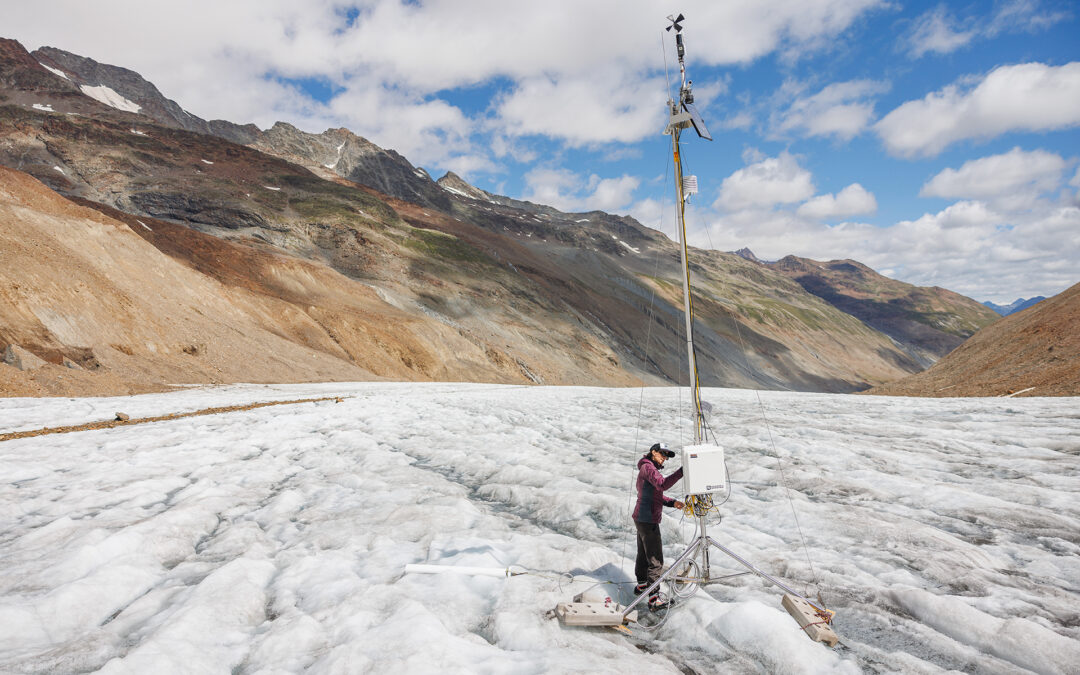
(687, 302)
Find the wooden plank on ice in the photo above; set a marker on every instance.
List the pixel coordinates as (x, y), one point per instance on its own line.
(809, 620)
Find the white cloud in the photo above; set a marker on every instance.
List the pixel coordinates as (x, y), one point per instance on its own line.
(1025, 97)
(1011, 181)
(651, 213)
(842, 109)
(425, 131)
(933, 32)
(965, 214)
(568, 191)
(583, 110)
(226, 59)
(968, 247)
(740, 32)
(937, 31)
(854, 200)
(769, 181)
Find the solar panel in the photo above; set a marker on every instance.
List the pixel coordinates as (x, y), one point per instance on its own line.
(695, 119)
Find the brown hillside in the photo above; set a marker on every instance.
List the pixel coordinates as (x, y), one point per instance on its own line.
(1037, 350)
(137, 304)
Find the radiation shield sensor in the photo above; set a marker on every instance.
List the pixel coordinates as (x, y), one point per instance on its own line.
(704, 470)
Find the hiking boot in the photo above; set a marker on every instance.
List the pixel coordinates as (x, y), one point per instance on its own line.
(657, 601)
(640, 588)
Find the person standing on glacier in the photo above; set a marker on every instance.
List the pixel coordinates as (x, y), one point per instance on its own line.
(647, 514)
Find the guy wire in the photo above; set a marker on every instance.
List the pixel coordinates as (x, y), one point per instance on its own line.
(768, 428)
(648, 343)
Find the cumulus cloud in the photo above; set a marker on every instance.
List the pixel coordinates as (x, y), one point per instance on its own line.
(854, 200)
(571, 192)
(582, 110)
(426, 131)
(1013, 180)
(1029, 253)
(983, 245)
(766, 182)
(743, 31)
(842, 109)
(233, 60)
(1024, 97)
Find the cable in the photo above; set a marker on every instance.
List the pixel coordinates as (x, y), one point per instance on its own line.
(648, 345)
(768, 428)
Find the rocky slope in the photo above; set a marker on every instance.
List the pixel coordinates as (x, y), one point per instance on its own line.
(155, 303)
(335, 150)
(342, 248)
(1035, 352)
(99, 81)
(928, 321)
(83, 289)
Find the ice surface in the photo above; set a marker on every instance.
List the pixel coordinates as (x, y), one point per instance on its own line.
(945, 533)
(109, 97)
(47, 107)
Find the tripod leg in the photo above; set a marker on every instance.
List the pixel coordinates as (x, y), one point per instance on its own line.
(750, 566)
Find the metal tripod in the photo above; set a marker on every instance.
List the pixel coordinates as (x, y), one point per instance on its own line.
(701, 544)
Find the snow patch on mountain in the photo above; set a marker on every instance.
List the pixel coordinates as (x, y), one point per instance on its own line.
(109, 97)
(55, 71)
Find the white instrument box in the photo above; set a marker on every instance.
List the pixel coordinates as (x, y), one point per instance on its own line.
(703, 469)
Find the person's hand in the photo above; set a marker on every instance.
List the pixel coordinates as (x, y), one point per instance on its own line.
(679, 504)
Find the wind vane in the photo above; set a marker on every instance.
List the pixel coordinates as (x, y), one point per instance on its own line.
(683, 113)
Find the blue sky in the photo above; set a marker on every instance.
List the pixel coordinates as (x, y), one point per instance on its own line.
(938, 143)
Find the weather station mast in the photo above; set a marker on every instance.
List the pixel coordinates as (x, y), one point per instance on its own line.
(705, 475)
(681, 115)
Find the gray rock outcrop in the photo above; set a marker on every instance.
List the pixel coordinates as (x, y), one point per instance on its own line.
(22, 359)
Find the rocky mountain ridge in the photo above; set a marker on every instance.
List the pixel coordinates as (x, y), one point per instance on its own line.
(522, 292)
(929, 321)
(87, 73)
(1017, 305)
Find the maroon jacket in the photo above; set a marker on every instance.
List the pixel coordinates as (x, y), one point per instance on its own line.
(650, 487)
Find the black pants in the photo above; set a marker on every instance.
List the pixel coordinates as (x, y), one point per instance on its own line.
(650, 553)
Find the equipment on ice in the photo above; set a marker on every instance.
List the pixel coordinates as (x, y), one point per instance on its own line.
(704, 468)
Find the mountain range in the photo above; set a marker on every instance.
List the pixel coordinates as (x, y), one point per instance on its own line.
(1017, 305)
(146, 247)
